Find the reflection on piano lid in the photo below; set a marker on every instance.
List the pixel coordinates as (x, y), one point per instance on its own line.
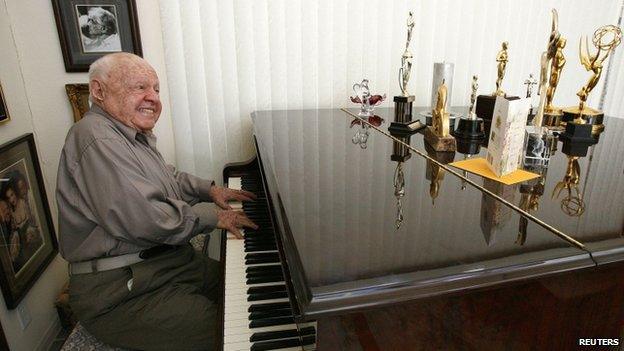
(257, 311)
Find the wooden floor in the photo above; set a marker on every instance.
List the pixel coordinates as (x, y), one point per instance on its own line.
(545, 314)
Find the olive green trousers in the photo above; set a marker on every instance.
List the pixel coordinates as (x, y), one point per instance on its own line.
(167, 302)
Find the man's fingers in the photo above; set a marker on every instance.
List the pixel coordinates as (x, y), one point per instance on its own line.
(246, 222)
(243, 197)
(236, 232)
(224, 205)
(248, 194)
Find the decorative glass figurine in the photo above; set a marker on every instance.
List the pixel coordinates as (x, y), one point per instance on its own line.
(539, 143)
(365, 99)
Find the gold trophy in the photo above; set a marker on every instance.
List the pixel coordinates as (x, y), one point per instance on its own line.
(605, 39)
(502, 59)
(552, 114)
(485, 103)
(403, 120)
(437, 135)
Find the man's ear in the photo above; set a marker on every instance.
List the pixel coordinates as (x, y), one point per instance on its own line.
(96, 89)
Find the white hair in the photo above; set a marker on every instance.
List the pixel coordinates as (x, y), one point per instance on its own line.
(102, 68)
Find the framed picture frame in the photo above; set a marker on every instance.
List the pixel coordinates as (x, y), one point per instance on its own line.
(27, 236)
(78, 95)
(4, 111)
(90, 29)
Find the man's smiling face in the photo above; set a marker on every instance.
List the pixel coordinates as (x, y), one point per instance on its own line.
(131, 95)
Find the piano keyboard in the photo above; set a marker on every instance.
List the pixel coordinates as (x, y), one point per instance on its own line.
(258, 315)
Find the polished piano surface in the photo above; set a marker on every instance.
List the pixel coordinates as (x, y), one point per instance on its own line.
(459, 256)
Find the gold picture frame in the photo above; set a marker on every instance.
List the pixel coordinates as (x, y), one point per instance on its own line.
(4, 111)
(78, 95)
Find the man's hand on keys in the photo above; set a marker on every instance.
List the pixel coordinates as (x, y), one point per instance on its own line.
(233, 220)
(220, 196)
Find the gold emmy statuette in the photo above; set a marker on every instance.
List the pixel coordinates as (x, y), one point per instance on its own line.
(572, 204)
(605, 40)
(502, 57)
(437, 135)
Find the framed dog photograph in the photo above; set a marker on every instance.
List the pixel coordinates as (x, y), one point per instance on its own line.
(89, 29)
(27, 237)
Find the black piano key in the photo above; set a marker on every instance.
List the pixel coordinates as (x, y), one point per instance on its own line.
(280, 344)
(262, 260)
(281, 334)
(269, 322)
(267, 296)
(267, 268)
(259, 236)
(264, 235)
(262, 255)
(270, 314)
(268, 306)
(266, 289)
(254, 275)
(267, 279)
(261, 244)
(260, 248)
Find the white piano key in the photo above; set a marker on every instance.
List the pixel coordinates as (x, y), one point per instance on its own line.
(246, 345)
(236, 315)
(234, 183)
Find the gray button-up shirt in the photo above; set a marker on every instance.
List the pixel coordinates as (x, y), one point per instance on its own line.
(116, 194)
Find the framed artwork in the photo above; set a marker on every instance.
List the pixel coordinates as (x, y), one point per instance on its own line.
(78, 95)
(4, 112)
(27, 237)
(90, 29)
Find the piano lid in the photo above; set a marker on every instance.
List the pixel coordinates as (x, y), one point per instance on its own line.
(340, 205)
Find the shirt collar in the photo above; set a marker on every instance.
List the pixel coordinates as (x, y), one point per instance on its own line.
(128, 132)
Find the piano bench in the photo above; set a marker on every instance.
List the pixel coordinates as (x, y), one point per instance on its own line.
(80, 339)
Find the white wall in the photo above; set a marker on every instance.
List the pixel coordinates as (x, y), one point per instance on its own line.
(33, 77)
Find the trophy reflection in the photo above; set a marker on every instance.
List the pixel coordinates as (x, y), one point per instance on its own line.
(400, 154)
(434, 173)
(494, 214)
(572, 203)
(530, 193)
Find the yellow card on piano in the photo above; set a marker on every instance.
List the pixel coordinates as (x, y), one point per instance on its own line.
(480, 167)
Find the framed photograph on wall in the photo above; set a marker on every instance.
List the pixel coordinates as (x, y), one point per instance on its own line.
(90, 29)
(27, 237)
(78, 95)
(4, 111)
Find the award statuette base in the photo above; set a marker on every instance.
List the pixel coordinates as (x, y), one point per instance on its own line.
(485, 109)
(469, 129)
(576, 139)
(590, 116)
(405, 128)
(403, 123)
(439, 143)
(429, 120)
(469, 146)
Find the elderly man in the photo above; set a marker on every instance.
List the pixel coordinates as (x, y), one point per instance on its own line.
(126, 217)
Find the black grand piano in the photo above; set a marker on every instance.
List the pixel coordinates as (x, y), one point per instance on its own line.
(331, 269)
